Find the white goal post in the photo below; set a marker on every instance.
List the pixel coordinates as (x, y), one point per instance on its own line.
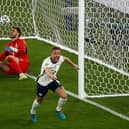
(95, 30)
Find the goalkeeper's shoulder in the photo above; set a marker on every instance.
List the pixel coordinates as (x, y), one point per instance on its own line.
(22, 41)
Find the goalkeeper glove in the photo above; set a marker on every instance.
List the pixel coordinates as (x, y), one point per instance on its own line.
(8, 49)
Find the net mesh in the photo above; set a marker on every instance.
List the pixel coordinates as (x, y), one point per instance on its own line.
(55, 24)
(106, 39)
(106, 36)
(107, 30)
(20, 13)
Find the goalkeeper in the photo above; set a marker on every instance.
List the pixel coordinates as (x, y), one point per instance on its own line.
(14, 59)
(48, 80)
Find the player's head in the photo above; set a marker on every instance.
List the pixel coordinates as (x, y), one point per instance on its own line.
(15, 32)
(55, 54)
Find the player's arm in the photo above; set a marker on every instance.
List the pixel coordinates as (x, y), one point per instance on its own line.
(21, 49)
(45, 68)
(50, 73)
(3, 56)
(10, 48)
(4, 53)
(69, 61)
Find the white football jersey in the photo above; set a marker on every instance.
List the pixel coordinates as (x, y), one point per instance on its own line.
(44, 79)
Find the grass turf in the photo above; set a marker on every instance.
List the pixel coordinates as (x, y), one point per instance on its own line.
(16, 98)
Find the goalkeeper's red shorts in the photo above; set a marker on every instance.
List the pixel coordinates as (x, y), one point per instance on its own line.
(23, 65)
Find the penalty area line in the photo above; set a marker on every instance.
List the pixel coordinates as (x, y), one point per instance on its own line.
(92, 103)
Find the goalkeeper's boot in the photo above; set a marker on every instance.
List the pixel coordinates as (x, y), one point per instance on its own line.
(22, 76)
(61, 115)
(33, 118)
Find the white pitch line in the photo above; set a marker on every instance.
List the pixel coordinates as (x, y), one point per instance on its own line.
(100, 106)
(31, 76)
(92, 103)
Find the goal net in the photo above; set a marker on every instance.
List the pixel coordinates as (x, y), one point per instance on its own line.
(106, 40)
(20, 13)
(107, 46)
(57, 24)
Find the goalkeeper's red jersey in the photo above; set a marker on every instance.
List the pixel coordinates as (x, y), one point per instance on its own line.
(21, 46)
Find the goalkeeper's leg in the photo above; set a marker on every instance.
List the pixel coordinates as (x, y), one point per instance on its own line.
(15, 67)
(4, 67)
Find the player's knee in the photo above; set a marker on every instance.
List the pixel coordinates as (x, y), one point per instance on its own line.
(64, 96)
(11, 58)
(1, 64)
(39, 99)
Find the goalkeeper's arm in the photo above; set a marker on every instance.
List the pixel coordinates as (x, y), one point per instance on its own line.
(50, 73)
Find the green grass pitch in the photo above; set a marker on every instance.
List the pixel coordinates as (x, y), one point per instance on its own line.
(16, 98)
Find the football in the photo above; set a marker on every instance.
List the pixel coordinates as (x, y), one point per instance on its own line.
(5, 19)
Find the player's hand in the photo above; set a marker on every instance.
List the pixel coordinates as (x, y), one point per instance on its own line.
(7, 49)
(53, 77)
(14, 49)
(76, 67)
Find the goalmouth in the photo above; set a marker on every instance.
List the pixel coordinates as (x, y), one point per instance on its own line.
(96, 30)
